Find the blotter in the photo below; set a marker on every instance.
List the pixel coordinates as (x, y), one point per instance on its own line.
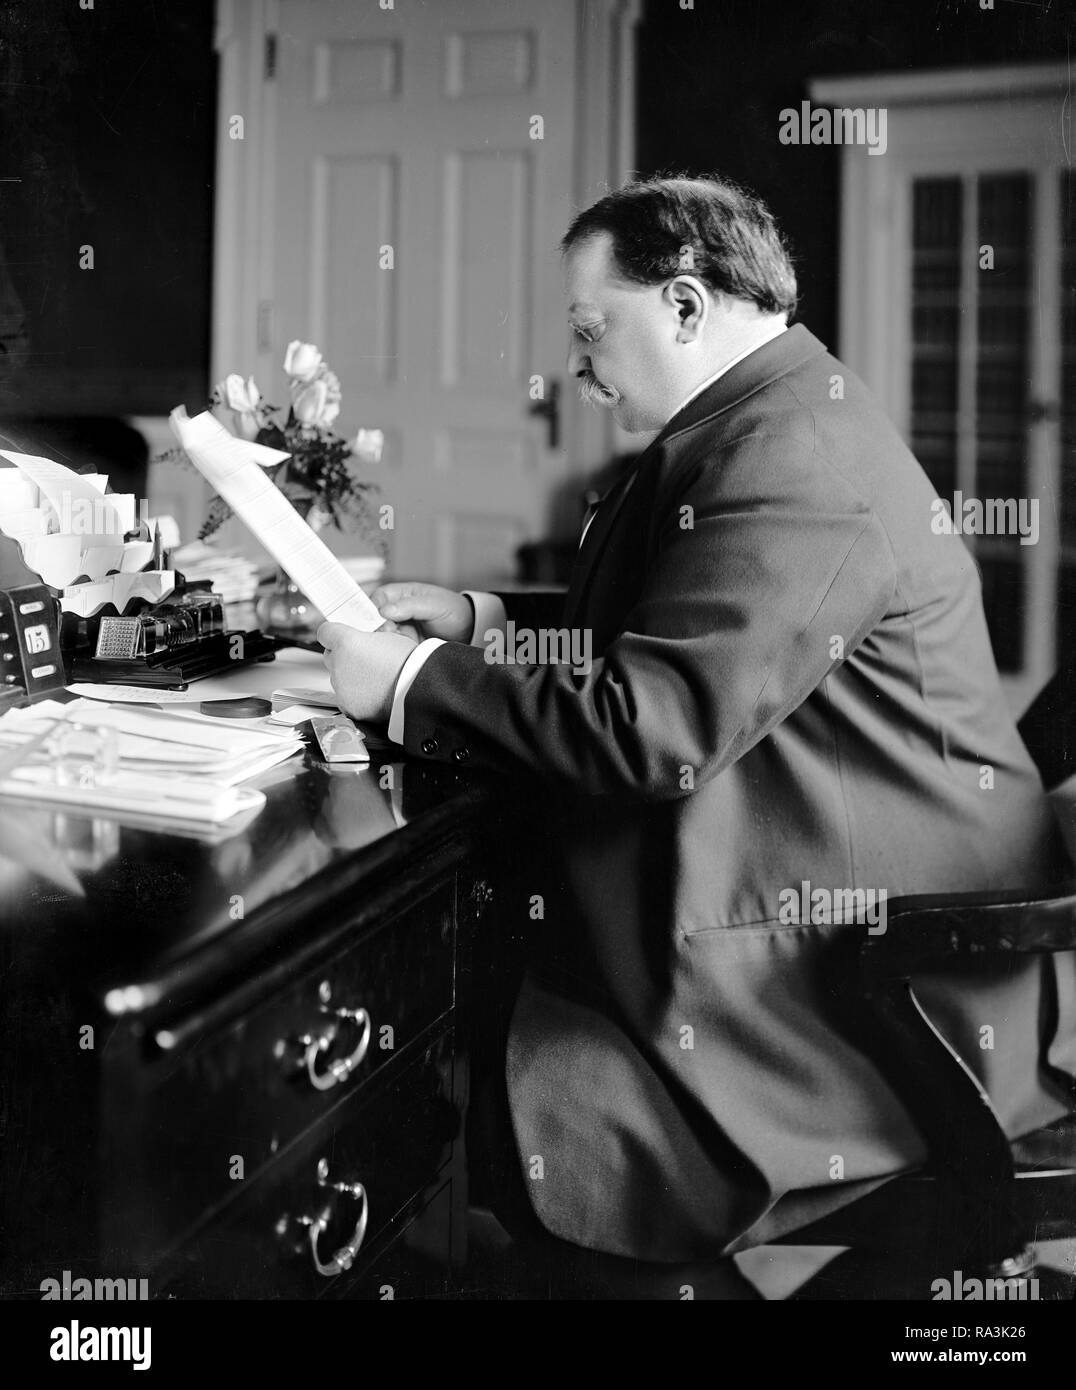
(235, 469)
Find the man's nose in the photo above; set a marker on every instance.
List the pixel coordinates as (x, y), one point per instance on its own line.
(578, 361)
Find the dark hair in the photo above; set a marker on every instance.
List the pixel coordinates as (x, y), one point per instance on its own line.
(734, 244)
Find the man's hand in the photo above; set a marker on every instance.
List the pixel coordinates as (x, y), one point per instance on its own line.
(433, 611)
(363, 667)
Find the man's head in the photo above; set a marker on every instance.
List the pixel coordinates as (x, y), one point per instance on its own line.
(666, 281)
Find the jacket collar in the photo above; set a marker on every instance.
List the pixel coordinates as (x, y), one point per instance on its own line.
(772, 360)
(766, 364)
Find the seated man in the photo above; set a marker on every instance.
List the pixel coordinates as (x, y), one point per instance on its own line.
(790, 714)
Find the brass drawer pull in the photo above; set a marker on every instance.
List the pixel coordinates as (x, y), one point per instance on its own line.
(343, 1258)
(312, 1045)
(342, 1068)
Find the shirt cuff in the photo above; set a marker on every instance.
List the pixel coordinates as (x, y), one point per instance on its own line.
(489, 612)
(404, 681)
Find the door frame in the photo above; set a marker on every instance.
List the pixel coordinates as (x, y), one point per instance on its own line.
(941, 117)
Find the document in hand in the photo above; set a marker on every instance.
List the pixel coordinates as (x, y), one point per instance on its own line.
(235, 467)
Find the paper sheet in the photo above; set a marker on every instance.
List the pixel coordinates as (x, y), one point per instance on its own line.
(134, 694)
(99, 560)
(56, 558)
(136, 555)
(166, 744)
(82, 509)
(123, 504)
(232, 466)
(88, 599)
(175, 799)
(24, 525)
(17, 492)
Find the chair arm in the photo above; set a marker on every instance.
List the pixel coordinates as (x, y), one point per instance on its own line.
(943, 1095)
(930, 928)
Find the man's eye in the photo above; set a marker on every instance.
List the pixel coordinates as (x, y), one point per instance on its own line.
(589, 332)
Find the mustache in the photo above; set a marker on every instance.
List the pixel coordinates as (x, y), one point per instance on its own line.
(594, 392)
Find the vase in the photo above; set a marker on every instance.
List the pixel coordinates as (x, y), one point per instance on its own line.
(285, 611)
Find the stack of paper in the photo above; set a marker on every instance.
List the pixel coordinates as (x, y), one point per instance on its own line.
(72, 534)
(176, 766)
(234, 577)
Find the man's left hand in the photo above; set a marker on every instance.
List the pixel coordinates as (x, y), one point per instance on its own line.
(363, 667)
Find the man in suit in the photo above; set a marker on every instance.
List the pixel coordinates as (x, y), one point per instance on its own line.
(790, 715)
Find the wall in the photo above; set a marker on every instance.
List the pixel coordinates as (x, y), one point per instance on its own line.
(107, 120)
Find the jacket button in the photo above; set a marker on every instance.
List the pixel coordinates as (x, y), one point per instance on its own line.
(462, 754)
(429, 745)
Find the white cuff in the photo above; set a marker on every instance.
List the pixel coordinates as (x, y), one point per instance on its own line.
(404, 681)
(489, 611)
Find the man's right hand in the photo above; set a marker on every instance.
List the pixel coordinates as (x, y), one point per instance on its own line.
(429, 609)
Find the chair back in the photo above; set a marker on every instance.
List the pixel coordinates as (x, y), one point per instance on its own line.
(1048, 728)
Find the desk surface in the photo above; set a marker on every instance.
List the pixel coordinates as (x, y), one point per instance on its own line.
(155, 913)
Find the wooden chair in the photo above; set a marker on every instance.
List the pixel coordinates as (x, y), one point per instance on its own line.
(982, 1201)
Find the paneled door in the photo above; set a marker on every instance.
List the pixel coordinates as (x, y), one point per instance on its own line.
(416, 165)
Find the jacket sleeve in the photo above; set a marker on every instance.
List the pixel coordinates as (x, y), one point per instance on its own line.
(747, 585)
(537, 608)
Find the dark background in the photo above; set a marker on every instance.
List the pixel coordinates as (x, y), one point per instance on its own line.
(712, 81)
(107, 119)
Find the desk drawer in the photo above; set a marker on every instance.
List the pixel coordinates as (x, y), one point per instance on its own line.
(417, 1264)
(351, 1184)
(225, 1105)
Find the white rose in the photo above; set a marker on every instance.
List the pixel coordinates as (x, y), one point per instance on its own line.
(369, 445)
(247, 424)
(311, 404)
(331, 408)
(242, 396)
(301, 360)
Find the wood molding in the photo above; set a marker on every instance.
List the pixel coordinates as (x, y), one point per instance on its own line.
(605, 159)
(941, 85)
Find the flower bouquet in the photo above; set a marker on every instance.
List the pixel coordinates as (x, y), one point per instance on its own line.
(318, 479)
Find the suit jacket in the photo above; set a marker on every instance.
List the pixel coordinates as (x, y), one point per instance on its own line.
(792, 682)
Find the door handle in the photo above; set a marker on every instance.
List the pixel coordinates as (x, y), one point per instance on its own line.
(549, 411)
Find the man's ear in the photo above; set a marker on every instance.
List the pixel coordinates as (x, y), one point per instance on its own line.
(687, 297)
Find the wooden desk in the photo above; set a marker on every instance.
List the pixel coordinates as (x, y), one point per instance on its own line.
(224, 1131)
